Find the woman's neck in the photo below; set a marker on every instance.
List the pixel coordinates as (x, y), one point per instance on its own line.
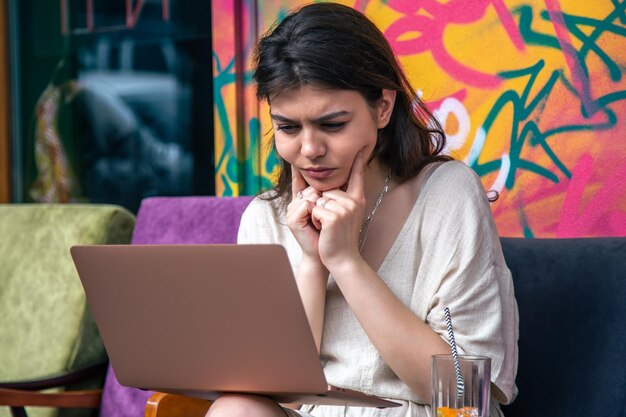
(375, 175)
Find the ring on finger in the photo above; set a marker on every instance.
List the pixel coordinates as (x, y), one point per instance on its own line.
(324, 202)
(300, 195)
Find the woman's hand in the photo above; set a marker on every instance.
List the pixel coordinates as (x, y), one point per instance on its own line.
(303, 198)
(340, 215)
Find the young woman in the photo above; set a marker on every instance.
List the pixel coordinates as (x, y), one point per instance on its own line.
(382, 230)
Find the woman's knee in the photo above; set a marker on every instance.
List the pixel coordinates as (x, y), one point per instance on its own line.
(241, 405)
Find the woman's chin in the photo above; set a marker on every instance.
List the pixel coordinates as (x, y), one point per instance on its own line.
(322, 186)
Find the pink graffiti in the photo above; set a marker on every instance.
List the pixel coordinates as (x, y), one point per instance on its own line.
(509, 24)
(579, 77)
(460, 95)
(594, 220)
(431, 29)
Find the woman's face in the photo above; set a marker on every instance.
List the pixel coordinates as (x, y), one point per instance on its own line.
(319, 131)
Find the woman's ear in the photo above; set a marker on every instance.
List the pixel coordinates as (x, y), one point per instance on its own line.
(385, 107)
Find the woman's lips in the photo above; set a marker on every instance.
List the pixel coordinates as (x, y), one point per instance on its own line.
(318, 173)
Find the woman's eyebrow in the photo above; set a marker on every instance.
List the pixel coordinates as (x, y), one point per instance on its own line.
(320, 119)
(280, 118)
(331, 116)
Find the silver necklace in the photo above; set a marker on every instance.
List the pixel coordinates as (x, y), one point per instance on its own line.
(365, 226)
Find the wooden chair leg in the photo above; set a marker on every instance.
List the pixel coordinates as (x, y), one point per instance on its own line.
(170, 405)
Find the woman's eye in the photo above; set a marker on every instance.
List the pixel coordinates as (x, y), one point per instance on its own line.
(287, 128)
(333, 126)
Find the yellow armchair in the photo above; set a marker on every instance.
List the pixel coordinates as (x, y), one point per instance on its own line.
(47, 336)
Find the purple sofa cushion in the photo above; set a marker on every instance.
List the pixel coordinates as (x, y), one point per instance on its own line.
(173, 220)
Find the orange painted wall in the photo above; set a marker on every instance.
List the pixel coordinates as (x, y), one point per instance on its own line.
(531, 93)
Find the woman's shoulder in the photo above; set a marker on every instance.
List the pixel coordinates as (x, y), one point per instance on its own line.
(456, 171)
(453, 191)
(454, 179)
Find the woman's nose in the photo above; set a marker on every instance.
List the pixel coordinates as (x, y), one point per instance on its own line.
(312, 145)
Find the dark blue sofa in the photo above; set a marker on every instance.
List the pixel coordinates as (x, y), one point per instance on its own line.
(571, 295)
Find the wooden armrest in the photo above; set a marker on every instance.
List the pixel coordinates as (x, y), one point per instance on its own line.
(69, 399)
(57, 380)
(171, 405)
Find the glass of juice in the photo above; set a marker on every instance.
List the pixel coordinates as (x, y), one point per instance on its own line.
(472, 399)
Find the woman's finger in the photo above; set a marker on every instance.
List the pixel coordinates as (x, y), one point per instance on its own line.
(310, 194)
(322, 201)
(356, 181)
(298, 184)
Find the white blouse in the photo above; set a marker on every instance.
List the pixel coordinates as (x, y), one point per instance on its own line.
(447, 254)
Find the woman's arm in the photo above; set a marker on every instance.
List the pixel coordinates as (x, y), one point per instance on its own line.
(390, 325)
(459, 267)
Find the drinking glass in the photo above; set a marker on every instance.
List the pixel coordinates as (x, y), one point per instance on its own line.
(474, 401)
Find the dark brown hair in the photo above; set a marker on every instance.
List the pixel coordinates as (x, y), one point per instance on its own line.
(334, 46)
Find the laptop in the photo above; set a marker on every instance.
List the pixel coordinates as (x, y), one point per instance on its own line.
(202, 320)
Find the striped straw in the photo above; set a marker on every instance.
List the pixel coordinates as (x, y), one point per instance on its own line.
(460, 384)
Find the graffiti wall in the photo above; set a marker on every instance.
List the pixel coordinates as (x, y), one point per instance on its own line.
(531, 93)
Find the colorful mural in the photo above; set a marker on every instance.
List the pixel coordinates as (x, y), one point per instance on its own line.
(531, 93)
